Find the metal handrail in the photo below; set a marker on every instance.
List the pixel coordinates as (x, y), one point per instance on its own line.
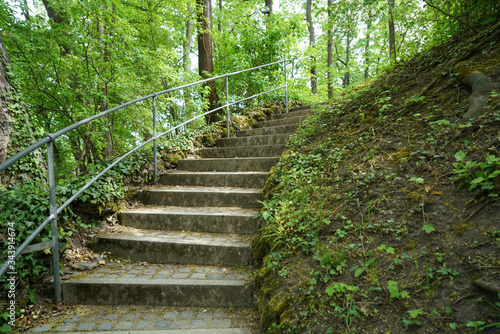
(50, 138)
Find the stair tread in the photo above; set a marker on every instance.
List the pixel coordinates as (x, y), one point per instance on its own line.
(178, 237)
(195, 211)
(182, 172)
(140, 273)
(205, 189)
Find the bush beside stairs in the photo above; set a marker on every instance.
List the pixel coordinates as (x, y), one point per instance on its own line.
(192, 237)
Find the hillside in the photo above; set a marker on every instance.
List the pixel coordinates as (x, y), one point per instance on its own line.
(383, 214)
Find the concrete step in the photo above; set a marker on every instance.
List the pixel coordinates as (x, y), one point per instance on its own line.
(230, 164)
(174, 247)
(268, 130)
(160, 285)
(294, 113)
(143, 319)
(203, 197)
(203, 220)
(215, 179)
(243, 152)
(270, 139)
(281, 121)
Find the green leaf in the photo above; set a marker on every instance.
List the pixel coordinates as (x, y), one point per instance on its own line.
(453, 325)
(417, 179)
(359, 271)
(460, 156)
(415, 313)
(405, 294)
(428, 228)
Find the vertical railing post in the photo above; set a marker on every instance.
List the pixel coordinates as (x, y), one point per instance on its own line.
(286, 87)
(53, 211)
(227, 104)
(154, 141)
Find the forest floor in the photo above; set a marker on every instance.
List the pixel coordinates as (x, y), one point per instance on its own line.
(371, 225)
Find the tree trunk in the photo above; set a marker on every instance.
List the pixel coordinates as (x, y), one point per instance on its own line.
(220, 19)
(367, 45)
(22, 133)
(312, 44)
(188, 42)
(347, 74)
(330, 50)
(5, 99)
(58, 18)
(392, 36)
(269, 5)
(205, 55)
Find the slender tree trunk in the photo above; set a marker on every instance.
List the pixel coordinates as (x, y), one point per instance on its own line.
(392, 35)
(269, 5)
(205, 54)
(347, 74)
(330, 50)
(367, 46)
(188, 42)
(312, 44)
(219, 26)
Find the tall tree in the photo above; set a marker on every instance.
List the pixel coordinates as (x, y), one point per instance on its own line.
(312, 45)
(5, 99)
(330, 50)
(392, 33)
(269, 6)
(205, 54)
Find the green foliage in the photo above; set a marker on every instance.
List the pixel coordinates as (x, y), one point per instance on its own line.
(477, 175)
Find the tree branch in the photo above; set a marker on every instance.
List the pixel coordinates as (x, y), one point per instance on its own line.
(452, 16)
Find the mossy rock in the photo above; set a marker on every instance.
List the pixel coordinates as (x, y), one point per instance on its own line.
(260, 248)
(275, 308)
(172, 159)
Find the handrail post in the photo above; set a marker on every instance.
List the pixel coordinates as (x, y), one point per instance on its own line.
(286, 87)
(227, 104)
(53, 211)
(154, 141)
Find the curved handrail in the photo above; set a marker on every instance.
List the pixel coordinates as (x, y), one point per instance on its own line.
(50, 138)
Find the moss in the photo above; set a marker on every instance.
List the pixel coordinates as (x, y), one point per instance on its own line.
(173, 158)
(402, 153)
(260, 248)
(273, 310)
(460, 229)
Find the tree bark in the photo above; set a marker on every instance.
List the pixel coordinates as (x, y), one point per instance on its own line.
(188, 42)
(5, 99)
(205, 55)
(312, 44)
(367, 45)
(269, 5)
(392, 35)
(58, 18)
(330, 50)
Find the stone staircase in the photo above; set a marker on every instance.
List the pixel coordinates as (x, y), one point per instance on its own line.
(190, 242)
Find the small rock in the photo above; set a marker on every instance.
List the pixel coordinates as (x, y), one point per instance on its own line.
(488, 283)
(84, 266)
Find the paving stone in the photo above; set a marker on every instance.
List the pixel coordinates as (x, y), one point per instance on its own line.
(198, 276)
(64, 328)
(105, 326)
(151, 315)
(86, 326)
(111, 316)
(132, 317)
(163, 324)
(43, 328)
(200, 324)
(221, 323)
(187, 315)
(181, 324)
(144, 324)
(123, 325)
(170, 315)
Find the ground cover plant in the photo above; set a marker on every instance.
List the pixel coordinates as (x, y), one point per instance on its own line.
(383, 214)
